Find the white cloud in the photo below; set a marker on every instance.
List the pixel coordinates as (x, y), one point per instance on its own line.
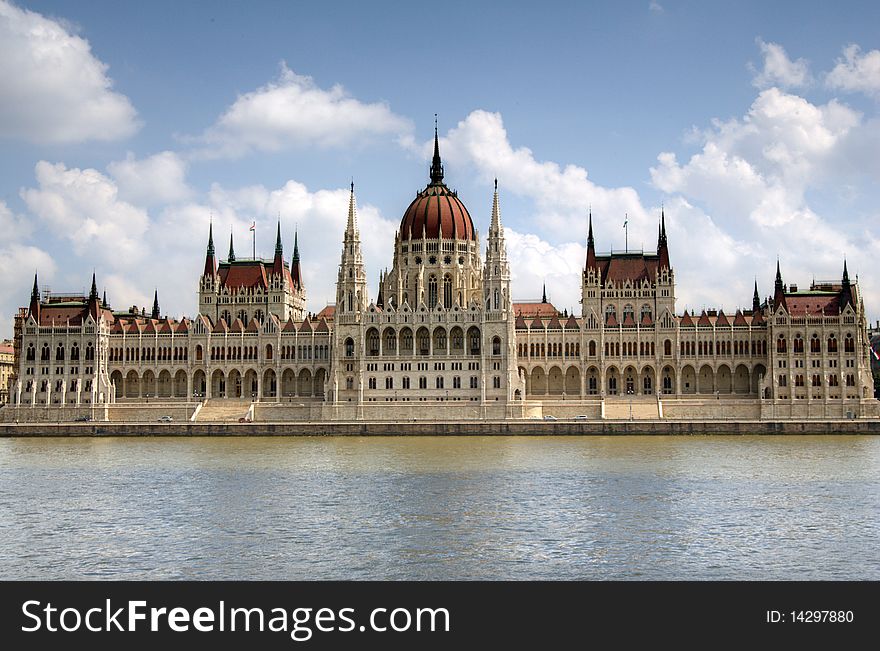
(158, 179)
(82, 205)
(779, 70)
(18, 263)
(13, 227)
(856, 72)
(54, 89)
(292, 112)
(655, 7)
(561, 195)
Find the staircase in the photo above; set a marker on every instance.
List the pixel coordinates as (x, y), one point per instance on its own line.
(220, 410)
(643, 408)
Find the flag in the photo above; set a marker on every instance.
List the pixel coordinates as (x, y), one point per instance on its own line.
(876, 356)
(625, 221)
(253, 226)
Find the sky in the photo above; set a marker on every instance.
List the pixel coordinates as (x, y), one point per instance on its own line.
(127, 127)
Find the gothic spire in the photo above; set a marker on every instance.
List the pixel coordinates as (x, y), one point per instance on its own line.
(35, 300)
(756, 298)
(295, 273)
(591, 244)
(436, 165)
(544, 294)
(155, 313)
(211, 239)
(495, 226)
(104, 302)
(779, 289)
(231, 249)
(662, 243)
(351, 228)
(846, 296)
(93, 292)
(210, 257)
(278, 249)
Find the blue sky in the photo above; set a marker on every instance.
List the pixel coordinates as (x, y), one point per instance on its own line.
(125, 126)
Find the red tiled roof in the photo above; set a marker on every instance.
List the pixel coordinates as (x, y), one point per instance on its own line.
(290, 326)
(327, 313)
(554, 323)
(520, 322)
(183, 326)
(646, 319)
(306, 326)
(572, 323)
(722, 319)
(537, 322)
(628, 320)
(322, 326)
(611, 320)
(249, 274)
(686, 320)
(528, 310)
(634, 267)
(237, 326)
(758, 318)
(221, 327)
(739, 319)
(704, 320)
(813, 304)
(253, 326)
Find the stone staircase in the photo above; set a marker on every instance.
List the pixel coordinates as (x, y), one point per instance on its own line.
(220, 410)
(643, 408)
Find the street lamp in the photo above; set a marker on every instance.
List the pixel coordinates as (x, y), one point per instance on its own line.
(630, 394)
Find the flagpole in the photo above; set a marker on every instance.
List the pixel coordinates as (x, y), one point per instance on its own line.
(254, 231)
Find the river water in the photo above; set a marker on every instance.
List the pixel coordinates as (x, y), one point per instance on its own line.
(744, 507)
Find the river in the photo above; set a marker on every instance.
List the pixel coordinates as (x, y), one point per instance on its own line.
(620, 507)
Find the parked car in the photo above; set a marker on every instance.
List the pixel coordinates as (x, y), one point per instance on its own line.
(244, 419)
(165, 419)
(581, 417)
(549, 417)
(82, 419)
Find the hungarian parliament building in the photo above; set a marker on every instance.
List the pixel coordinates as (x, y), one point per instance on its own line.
(443, 338)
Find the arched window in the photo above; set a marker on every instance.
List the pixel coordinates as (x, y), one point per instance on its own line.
(59, 353)
(31, 353)
(646, 311)
(447, 291)
(667, 348)
(199, 353)
(432, 292)
(781, 345)
(610, 311)
(592, 348)
(628, 311)
(45, 353)
(832, 343)
(258, 315)
(849, 345)
(815, 344)
(268, 351)
(496, 345)
(74, 353)
(349, 347)
(798, 344)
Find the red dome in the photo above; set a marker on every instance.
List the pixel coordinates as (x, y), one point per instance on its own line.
(439, 213)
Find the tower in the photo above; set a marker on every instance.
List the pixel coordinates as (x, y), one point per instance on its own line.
(351, 283)
(591, 285)
(209, 282)
(298, 288)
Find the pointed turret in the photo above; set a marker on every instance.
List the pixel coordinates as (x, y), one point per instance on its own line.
(591, 245)
(662, 244)
(34, 308)
(496, 270)
(436, 164)
(544, 293)
(104, 302)
(278, 263)
(295, 273)
(846, 297)
(756, 299)
(231, 257)
(155, 313)
(779, 290)
(380, 300)
(210, 256)
(94, 302)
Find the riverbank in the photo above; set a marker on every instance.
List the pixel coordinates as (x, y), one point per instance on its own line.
(447, 428)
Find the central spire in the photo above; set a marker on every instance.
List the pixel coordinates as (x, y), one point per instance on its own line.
(436, 165)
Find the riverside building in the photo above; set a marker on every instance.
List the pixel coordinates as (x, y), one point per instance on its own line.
(443, 339)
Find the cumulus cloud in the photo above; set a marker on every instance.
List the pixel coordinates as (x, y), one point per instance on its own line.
(13, 227)
(82, 205)
(18, 263)
(779, 70)
(655, 7)
(293, 112)
(755, 177)
(157, 179)
(562, 195)
(856, 72)
(54, 89)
